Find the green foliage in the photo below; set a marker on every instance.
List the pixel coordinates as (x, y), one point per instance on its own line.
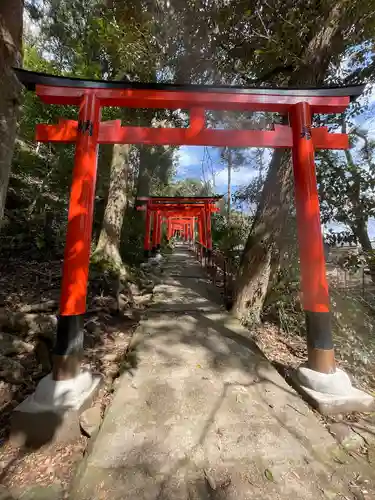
(188, 187)
(347, 182)
(347, 193)
(230, 238)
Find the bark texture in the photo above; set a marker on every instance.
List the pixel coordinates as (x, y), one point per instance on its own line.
(263, 247)
(11, 14)
(108, 248)
(146, 170)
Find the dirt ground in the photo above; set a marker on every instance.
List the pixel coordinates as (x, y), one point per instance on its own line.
(29, 287)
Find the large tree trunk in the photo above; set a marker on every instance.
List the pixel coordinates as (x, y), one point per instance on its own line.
(262, 249)
(145, 172)
(11, 14)
(262, 246)
(361, 232)
(108, 248)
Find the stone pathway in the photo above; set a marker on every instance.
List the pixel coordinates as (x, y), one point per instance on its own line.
(200, 413)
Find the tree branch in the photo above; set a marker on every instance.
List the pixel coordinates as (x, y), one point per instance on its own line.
(278, 70)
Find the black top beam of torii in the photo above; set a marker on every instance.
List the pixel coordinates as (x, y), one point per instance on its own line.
(32, 78)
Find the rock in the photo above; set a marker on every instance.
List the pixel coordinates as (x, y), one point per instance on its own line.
(5, 392)
(131, 314)
(111, 357)
(11, 370)
(112, 371)
(93, 328)
(90, 420)
(43, 355)
(134, 289)
(9, 344)
(142, 300)
(44, 325)
(345, 435)
(122, 302)
(30, 324)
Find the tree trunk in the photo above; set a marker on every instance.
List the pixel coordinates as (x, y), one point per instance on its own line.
(11, 14)
(145, 172)
(361, 232)
(108, 248)
(262, 249)
(259, 256)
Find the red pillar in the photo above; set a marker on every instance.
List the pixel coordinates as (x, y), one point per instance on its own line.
(154, 231)
(160, 229)
(208, 226)
(200, 230)
(169, 228)
(313, 276)
(147, 242)
(201, 233)
(69, 340)
(189, 231)
(204, 229)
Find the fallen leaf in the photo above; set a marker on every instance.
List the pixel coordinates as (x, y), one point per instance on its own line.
(269, 475)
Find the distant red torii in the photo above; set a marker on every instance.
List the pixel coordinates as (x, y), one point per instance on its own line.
(186, 209)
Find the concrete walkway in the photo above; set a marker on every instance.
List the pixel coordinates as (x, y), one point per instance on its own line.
(203, 415)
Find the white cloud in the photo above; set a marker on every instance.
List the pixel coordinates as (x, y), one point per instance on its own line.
(240, 177)
(188, 155)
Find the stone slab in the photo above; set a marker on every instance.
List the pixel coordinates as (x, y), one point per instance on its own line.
(34, 429)
(332, 404)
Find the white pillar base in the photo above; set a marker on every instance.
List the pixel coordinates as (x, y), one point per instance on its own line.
(52, 412)
(332, 393)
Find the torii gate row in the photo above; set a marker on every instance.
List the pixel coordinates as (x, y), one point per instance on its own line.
(299, 104)
(197, 207)
(185, 226)
(174, 223)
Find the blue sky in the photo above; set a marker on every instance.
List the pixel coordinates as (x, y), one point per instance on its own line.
(190, 165)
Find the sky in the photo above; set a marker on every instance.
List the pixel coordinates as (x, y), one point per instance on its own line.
(189, 165)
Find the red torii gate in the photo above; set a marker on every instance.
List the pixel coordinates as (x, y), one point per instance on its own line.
(88, 132)
(186, 209)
